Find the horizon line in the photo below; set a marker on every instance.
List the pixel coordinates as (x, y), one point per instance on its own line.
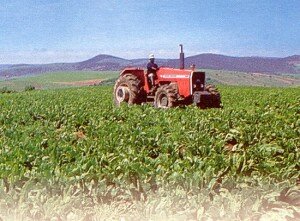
(145, 58)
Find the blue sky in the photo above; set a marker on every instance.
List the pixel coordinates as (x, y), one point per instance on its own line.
(44, 31)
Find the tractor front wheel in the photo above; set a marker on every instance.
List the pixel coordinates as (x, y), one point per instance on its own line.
(127, 90)
(165, 97)
(215, 101)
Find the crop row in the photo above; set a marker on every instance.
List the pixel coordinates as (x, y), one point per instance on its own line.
(77, 135)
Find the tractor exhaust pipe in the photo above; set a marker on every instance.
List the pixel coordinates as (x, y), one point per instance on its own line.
(181, 62)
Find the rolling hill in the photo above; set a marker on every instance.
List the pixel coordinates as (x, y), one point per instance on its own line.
(104, 62)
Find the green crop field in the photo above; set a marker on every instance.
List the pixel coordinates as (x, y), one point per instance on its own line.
(68, 154)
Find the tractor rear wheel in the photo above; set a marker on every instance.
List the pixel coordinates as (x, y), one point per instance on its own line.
(165, 97)
(127, 89)
(216, 96)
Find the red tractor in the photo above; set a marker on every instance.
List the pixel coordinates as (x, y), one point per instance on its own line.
(173, 87)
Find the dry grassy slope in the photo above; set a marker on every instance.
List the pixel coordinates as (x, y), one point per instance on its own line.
(253, 79)
(58, 80)
(85, 78)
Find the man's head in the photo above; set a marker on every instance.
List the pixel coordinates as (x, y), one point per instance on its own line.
(151, 57)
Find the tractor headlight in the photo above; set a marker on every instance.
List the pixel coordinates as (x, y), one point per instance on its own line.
(198, 85)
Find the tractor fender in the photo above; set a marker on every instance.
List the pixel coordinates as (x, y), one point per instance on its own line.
(138, 72)
(131, 71)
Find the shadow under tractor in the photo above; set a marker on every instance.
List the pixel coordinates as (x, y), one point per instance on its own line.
(173, 87)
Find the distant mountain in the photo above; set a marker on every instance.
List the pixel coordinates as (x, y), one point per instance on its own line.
(293, 60)
(104, 62)
(4, 66)
(31, 69)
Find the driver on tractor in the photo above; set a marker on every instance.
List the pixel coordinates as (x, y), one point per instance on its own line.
(151, 70)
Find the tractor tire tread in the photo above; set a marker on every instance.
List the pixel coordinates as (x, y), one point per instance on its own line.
(134, 85)
(170, 92)
(216, 99)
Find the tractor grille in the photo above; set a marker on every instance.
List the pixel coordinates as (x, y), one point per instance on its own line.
(198, 81)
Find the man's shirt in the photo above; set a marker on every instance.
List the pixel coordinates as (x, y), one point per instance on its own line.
(151, 65)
